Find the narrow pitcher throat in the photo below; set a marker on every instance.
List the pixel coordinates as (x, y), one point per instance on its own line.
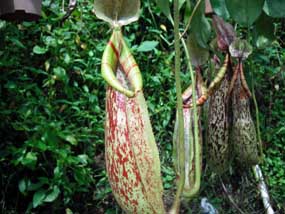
(122, 77)
(123, 66)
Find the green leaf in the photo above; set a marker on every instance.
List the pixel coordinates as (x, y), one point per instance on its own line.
(39, 50)
(38, 198)
(117, 13)
(245, 12)
(50, 41)
(187, 12)
(181, 3)
(68, 211)
(264, 31)
(164, 6)
(3, 24)
(86, 89)
(30, 160)
(83, 159)
(219, 7)
(35, 186)
(201, 27)
(17, 43)
(51, 196)
(147, 46)
(60, 74)
(275, 8)
(67, 58)
(10, 85)
(281, 130)
(199, 55)
(71, 139)
(22, 185)
(262, 42)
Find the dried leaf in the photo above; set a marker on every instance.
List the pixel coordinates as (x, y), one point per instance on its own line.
(225, 32)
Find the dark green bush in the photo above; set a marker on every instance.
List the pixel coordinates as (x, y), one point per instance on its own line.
(53, 105)
(52, 109)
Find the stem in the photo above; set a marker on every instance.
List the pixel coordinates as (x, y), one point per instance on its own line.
(230, 198)
(257, 117)
(181, 179)
(190, 18)
(151, 14)
(263, 189)
(256, 106)
(256, 169)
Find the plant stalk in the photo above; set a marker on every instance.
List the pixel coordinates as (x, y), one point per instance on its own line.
(190, 18)
(181, 177)
(257, 118)
(256, 169)
(263, 189)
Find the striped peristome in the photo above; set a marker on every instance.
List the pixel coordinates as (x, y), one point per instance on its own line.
(216, 82)
(117, 53)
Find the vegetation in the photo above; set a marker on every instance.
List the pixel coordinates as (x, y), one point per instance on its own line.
(52, 108)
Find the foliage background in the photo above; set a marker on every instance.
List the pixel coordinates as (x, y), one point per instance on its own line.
(52, 111)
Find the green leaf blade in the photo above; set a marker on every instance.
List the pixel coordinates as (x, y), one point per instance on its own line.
(275, 8)
(39, 50)
(164, 6)
(38, 198)
(199, 55)
(245, 12)
(147, 46)
(200, 26)
(219, 6)
(52, 195)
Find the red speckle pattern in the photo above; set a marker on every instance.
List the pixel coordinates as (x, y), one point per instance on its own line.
(132, 159)
(129, 158)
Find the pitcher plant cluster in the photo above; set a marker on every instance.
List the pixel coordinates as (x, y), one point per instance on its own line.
(131, 154)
